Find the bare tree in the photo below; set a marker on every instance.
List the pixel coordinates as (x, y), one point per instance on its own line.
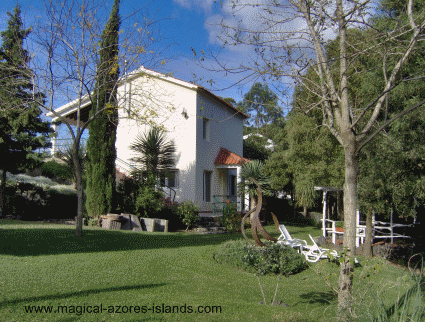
(286, 43)
(68, 39)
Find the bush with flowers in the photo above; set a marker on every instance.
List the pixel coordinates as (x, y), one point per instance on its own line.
(231, 218)
(188, 212)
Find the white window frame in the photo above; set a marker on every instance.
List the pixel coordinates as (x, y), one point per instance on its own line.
(205, 129)
(176, 179)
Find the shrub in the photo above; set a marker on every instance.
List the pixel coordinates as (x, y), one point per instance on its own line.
(127, 191)
(62, 189)
(231, 219)
(62, 204)
(52, 170)
(188, 212)
(272, 258)
(149, 200)
(170, 213)
(41, 182)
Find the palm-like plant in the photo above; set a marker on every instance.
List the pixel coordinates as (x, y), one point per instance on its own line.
(155, 153)
(254, 170)
(66, 156)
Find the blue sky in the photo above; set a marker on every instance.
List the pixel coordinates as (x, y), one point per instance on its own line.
(194, 24)
(187, 24)
(184, 25)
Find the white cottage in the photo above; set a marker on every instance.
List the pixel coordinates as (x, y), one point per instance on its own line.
(206, 130)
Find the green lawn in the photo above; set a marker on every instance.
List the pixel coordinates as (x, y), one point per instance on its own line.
(44, 264)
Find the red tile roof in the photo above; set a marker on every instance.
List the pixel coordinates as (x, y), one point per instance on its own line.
(225, 157)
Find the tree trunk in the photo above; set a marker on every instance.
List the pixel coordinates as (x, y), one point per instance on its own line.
(305, 212)
(345, 309)
(2, 188)
(79, 177)
(368, 238)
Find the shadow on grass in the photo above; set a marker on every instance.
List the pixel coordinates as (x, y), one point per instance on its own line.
(59, 296)
(49, 239)
(317, 297)
(42, 240)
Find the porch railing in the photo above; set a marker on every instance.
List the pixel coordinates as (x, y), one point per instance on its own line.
(220, 202)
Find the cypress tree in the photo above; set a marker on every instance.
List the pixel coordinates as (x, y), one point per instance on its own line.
(101, 152)
(21, 129)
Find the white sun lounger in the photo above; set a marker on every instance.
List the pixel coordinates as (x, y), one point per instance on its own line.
(314, 253)
(286, 239)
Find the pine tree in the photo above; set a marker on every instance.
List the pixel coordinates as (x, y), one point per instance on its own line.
(101, 152)
(21, 129)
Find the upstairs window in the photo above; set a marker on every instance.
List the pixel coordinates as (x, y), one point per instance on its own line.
(206, 129)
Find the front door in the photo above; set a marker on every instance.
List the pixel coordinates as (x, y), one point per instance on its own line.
(232, 185)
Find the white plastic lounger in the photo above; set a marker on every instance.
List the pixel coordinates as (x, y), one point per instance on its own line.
(286, 239)
(314, 253)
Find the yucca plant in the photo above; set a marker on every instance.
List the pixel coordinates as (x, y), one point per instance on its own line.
(66, 156)
(254, 170)
(155, 153)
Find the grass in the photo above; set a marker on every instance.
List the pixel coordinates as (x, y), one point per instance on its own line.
(44, 264)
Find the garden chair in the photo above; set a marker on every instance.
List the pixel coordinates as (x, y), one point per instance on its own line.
(286, 239)
(314, 253)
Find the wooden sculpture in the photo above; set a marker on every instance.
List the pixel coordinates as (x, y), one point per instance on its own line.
(255, 219)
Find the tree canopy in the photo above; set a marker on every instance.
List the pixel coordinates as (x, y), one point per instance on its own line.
(261, 104)
(101, 151)
(289, 42)
(22, 131)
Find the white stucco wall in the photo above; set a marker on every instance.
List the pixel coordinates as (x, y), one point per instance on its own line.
(225, 130)
(147, 97)
(150, 96)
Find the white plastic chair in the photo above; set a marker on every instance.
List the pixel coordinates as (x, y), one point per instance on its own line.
(286, 239)
(314, 253)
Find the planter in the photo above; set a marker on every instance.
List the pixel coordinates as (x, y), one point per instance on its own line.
(111, 221)
(113, 216)
(154, 224)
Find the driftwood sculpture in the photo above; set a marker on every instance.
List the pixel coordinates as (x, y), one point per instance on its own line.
(255, 219)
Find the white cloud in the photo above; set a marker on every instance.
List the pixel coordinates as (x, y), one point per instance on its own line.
(205, 5)
(277, 25)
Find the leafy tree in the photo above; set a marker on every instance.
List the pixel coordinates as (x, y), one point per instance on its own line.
(21, 129)
(261, 104)
(230, 100)
(284, 51)
(307, 155)
(394, 178)
(254, 148)
(68, 36)
(101, 152)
